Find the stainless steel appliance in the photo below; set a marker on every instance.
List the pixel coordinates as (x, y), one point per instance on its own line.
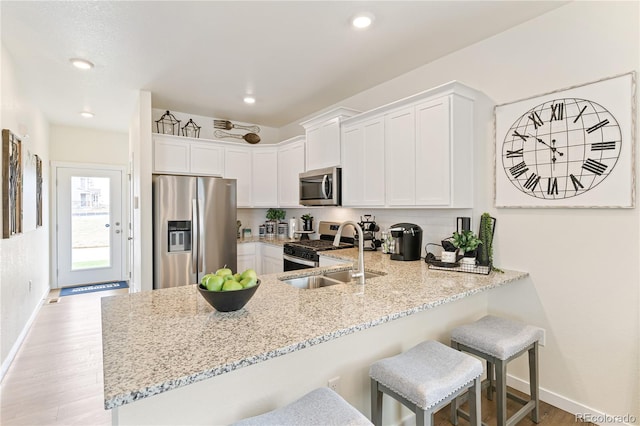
(321, 187)
(194, 228)
(407, 239)
(304, 254)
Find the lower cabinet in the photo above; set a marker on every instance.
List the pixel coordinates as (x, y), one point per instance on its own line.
(330, 261)
(271, 256)
(247, 257)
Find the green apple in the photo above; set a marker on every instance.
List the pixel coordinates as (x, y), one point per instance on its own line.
(206, 278)
(249, 273)
(223, 272)
(237, 277)
(228, 277)
(230, 285)
(248, 282)
(214, 283)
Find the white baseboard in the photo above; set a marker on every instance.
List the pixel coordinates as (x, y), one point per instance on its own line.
(564, 403)
(23, 334)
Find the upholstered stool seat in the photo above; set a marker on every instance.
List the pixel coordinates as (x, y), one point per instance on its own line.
(425, 378)
(498, 341)
(319, 407)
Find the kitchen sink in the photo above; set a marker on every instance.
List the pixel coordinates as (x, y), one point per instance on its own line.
(345, 276)
(314, 281)
(329, 278)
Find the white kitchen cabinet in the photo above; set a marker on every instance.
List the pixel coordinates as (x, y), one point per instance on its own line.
(272, 261)
(323, 138)
(290, 165)
(238, 165)
(264, 186)
(429, 149)
(247, 257)
(363, 173)
(178, 155)
(206, 159)
(400, 161)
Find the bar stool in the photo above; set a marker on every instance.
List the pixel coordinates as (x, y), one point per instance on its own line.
(319, 407)
(424, 379)
(498, 341)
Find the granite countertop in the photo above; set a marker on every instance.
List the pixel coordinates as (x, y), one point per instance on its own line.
(160, 340)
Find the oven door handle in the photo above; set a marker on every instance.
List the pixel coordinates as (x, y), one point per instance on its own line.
(298, 260)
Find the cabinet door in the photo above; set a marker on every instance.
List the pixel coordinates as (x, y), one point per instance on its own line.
(323, 145)
(265, 177)
(290, 165)
(237, 165)
(373, 182)
(400, 157)
(352, 166)
(433, 153)
(206, 159)
(272, 261)
(170, 156)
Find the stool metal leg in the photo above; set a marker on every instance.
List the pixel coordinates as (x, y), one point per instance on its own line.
(475, 415)
(454, 403)
(423, 418)
(490, 378)
(376, 403)
(501, 392)
(533, 382)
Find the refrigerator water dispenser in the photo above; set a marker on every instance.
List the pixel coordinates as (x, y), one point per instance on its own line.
(179, 235)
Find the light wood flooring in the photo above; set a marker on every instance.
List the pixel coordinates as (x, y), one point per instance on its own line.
(56, 377)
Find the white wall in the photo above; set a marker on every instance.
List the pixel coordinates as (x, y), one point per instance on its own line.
(84, 145)
(581, 290)
(24, 264)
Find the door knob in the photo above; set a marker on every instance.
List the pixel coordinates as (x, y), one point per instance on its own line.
(106, 225)
(117, 231)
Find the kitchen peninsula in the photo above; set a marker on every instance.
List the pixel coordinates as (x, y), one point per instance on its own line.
(170, 358)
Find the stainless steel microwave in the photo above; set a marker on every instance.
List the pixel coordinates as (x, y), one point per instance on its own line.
(321, 187)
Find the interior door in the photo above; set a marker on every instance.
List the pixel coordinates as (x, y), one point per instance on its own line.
(89, 222)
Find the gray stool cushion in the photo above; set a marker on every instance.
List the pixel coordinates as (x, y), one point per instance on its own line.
(319, 407)
(498, 337)
(427, 373)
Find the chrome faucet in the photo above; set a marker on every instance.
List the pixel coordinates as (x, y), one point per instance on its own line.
(336, 242)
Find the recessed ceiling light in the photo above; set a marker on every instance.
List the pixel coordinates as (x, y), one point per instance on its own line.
(363, 20)
(249, 100)
(82, 64)
(86, 114)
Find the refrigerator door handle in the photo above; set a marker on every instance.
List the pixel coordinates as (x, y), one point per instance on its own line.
(201, 244)
(195, 238)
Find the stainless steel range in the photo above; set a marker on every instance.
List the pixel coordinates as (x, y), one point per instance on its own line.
(304, 254)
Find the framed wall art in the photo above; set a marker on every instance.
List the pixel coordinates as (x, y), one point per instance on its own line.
(38, 191)
(12, 184)
(569, 148)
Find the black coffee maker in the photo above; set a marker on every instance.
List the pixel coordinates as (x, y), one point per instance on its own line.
(407, 241)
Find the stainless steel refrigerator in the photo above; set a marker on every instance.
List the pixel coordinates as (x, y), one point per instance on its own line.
(194, 228)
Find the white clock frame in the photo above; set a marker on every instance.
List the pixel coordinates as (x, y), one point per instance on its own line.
(617, 95)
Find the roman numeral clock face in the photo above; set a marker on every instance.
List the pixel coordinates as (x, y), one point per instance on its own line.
(561, 148)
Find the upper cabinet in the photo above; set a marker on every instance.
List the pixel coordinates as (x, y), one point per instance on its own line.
(290, 165)
(363, 174)
(186, 156)
(416, 152)
(264, 182)
(238, 165)
(323, 138)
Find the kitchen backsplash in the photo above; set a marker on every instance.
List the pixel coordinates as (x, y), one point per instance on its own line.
(436, 224)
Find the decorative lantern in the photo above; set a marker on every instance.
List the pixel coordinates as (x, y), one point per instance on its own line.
(191, 129)
(168, 124)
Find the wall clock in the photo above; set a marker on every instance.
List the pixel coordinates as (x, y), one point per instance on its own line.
(569, 148)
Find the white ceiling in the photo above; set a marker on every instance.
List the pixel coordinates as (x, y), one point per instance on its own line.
(296, 57)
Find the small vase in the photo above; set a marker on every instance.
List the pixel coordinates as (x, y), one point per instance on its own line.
(307, 224)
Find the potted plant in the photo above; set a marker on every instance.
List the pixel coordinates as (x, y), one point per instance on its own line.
(276, 215)
(467, 242)
(307, 222)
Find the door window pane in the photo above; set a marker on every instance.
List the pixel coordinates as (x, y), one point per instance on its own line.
(90, 223)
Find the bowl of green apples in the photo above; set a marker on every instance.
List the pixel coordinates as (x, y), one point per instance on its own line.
(228, 292)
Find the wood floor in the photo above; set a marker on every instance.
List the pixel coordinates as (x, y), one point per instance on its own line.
(56, 378)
